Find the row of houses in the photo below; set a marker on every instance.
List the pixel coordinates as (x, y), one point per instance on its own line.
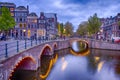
(110, 27)
(30, 25)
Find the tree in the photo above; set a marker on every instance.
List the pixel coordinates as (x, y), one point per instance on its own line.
(6, 20)
(93, 24)
(60, 29)
(119, 24)
(82, 29)
(68, 29)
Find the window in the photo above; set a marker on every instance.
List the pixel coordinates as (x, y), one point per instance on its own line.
(12, 14)
(35, 25)
(24, 25)
(31, 26)
(20, 32)
(21, 19)
(24, 19)
(20, 25)
(35, 21)
(17, 19)
(11, 9)
(28, 25)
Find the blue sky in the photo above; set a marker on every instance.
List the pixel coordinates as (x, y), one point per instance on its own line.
(74, 11)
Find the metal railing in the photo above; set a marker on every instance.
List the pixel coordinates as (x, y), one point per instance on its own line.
(12, 48)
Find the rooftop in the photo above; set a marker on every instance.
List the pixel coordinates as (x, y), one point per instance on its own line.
(6, 3)
(33, 14)
(21, 8)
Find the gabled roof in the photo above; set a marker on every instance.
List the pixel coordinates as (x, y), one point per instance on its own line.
(21, 8)
(33, 14)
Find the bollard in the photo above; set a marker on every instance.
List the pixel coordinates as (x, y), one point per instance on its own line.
(17, 46)
(25, 45)
(36, 41)
(6, 50)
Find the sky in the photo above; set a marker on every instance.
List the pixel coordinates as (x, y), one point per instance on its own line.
(74, 11)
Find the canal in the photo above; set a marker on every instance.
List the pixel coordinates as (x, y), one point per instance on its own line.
(76, 63)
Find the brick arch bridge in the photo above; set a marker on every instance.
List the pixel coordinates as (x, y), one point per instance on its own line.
(30, 58)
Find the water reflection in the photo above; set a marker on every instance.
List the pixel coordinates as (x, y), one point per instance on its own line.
(66, 65)
(94, 66)
(47, 63)
(75, 68)
(79, 48)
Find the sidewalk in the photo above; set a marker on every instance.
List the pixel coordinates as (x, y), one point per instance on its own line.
(7, 41)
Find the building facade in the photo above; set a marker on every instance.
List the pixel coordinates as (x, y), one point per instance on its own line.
(47, 23)
(111, 27)
(51, 26)
(32, 26)
(41, 32)
(21, 14)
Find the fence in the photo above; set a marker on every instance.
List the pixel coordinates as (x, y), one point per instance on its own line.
(12, 48)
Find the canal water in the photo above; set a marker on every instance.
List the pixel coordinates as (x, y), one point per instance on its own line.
(76, 63)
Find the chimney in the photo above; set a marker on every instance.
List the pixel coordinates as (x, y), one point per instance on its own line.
(27, 7)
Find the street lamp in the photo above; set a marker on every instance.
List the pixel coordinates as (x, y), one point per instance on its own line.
(24, 32)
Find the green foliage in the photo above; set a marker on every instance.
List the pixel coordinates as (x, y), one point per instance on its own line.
(61, 28)
(68, 29)
(6, 20)
(93, 24)
(118, 23)
(82, 29)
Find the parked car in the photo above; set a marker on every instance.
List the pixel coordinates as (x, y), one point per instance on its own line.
(116, 39)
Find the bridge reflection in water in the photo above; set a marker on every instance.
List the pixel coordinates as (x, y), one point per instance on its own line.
(78, 63)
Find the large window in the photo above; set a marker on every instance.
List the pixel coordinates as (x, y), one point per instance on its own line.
(12, 14)
(35, 21)
(20, 25)
(11, 9)
(21, 19)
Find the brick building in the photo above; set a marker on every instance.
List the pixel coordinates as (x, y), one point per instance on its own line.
(30, 25)
(111, 27)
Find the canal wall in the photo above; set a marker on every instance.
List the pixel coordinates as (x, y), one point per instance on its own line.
(103, 45)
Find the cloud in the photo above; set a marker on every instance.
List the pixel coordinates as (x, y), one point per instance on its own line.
(74, 11)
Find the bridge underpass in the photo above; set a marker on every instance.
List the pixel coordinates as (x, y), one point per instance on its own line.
(22, 67)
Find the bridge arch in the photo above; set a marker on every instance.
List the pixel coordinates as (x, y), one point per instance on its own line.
(26, 63)
(54, 46)
(71, 41)
(46, 50)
